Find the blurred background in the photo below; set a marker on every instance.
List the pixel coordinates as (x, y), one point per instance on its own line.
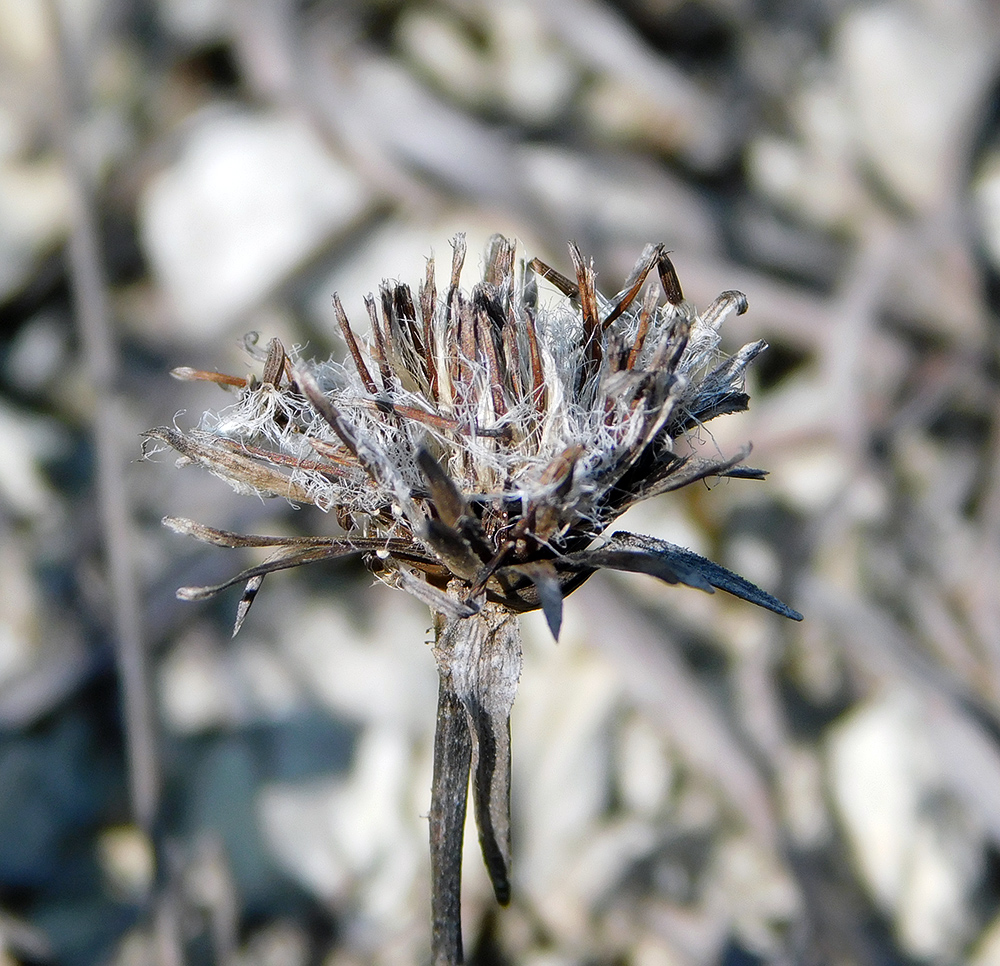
(696, 781)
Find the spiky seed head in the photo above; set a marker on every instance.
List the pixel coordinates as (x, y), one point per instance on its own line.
(480, 443)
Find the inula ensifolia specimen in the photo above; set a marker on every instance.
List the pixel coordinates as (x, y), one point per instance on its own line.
(475, 451)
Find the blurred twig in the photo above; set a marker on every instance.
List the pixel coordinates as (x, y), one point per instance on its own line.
(107, 421)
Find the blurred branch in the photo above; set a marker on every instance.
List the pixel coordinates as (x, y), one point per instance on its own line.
(107, 422)
(100, 355)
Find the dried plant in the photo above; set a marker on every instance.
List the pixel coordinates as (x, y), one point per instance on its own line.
(476, 452)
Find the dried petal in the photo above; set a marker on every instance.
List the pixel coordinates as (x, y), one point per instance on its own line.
(648, 555)
(545, 577)
(244, 474)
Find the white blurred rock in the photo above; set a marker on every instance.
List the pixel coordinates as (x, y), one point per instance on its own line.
(536, 78)
(650, 951)
(937, 287)
(26, 440)
(37, 353)
(915, 847)
(138, 947)
(987, 949)
(383, 674)
(635, 92)
(645, 768)
(20, 627)
(277, 944)
(550, 958)
(593, 875)
(196, 21)
(912, 73)
(24, 34)
(438, 44)
(811, 479)
(800, 786)
(127, 861)
(204, 686)
(520, 71)
(356, 839)
(896, 95)
(296, 822)
(249, 198)
(421, 131)
(13, 134)
(755, 890)
(561, 740)
(194, 692)
(812, 177)
(34, 216)
(967, 751)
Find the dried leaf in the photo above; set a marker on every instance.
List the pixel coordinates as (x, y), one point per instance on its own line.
(545, 577)
(245, 474)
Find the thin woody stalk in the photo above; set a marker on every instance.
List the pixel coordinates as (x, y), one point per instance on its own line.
(449, 794)
(476, 452)
(479, 663)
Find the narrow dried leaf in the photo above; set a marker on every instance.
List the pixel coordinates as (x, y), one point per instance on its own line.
(689, 470)
(378, 466)
(226, 538)
(187, 374)
(448, 500)
(565, 285)
(352, 346)
(437, 600)
(642, 554)
(545, 577)
(246, 474)
(295, 558)
(249, 595)
(669, 280)
(643, 267)
(727, 302)
(449, 798)
(453, 549)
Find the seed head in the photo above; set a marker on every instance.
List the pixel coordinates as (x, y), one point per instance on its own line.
(477, 450)
(480, 445)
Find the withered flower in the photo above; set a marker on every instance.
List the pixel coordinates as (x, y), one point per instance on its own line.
(476, 452)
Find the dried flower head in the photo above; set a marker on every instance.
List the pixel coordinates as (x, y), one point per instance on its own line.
(476, 451)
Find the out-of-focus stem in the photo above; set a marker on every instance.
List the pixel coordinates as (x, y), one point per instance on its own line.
(93, 321)
(107, 423)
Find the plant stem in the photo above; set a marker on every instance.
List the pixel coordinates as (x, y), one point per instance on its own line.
(449, 794)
